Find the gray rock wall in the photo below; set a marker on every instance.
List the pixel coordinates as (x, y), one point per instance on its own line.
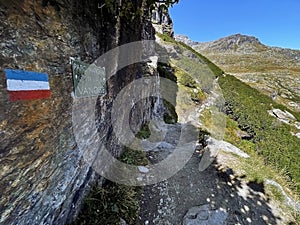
(43, 176)
(162, 21)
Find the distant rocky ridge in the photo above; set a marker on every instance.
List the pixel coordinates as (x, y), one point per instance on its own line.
(232, 39)
(233, 43)
(185, 39)
(236, 43)
(273, 70)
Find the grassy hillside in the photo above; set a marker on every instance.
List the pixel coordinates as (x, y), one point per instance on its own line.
(273, 139)
(273, 71)
(215, 69)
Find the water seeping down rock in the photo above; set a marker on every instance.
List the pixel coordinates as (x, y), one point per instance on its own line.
(43, 177)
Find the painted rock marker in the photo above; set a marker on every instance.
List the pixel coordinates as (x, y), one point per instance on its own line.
(27, 85)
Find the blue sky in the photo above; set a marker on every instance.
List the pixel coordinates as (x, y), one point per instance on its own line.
(273, 22)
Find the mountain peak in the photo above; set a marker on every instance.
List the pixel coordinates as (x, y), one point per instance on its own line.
(185, 39)
(240, 39)
(233, 43)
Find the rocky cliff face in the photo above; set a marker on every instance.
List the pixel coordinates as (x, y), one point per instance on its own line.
(43, 176)
(162, 21)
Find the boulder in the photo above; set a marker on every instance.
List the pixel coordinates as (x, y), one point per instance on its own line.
(283, 116)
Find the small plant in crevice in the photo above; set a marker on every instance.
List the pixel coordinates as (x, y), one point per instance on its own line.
(134, 157)
(203, 136)
(144, 132)
(170, 116)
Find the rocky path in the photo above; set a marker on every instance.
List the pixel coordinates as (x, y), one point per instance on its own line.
(201, 195)
(213, 196)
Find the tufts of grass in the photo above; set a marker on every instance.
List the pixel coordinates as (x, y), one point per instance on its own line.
(254, 169)
(275, 193)
(108, 204)
(185, 79)
(166, 38)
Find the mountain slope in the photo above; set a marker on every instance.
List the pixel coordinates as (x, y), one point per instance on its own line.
(275, 71)
(242, 46)
(234, 188)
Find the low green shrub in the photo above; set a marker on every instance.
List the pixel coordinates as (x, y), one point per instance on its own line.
(273, 139)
